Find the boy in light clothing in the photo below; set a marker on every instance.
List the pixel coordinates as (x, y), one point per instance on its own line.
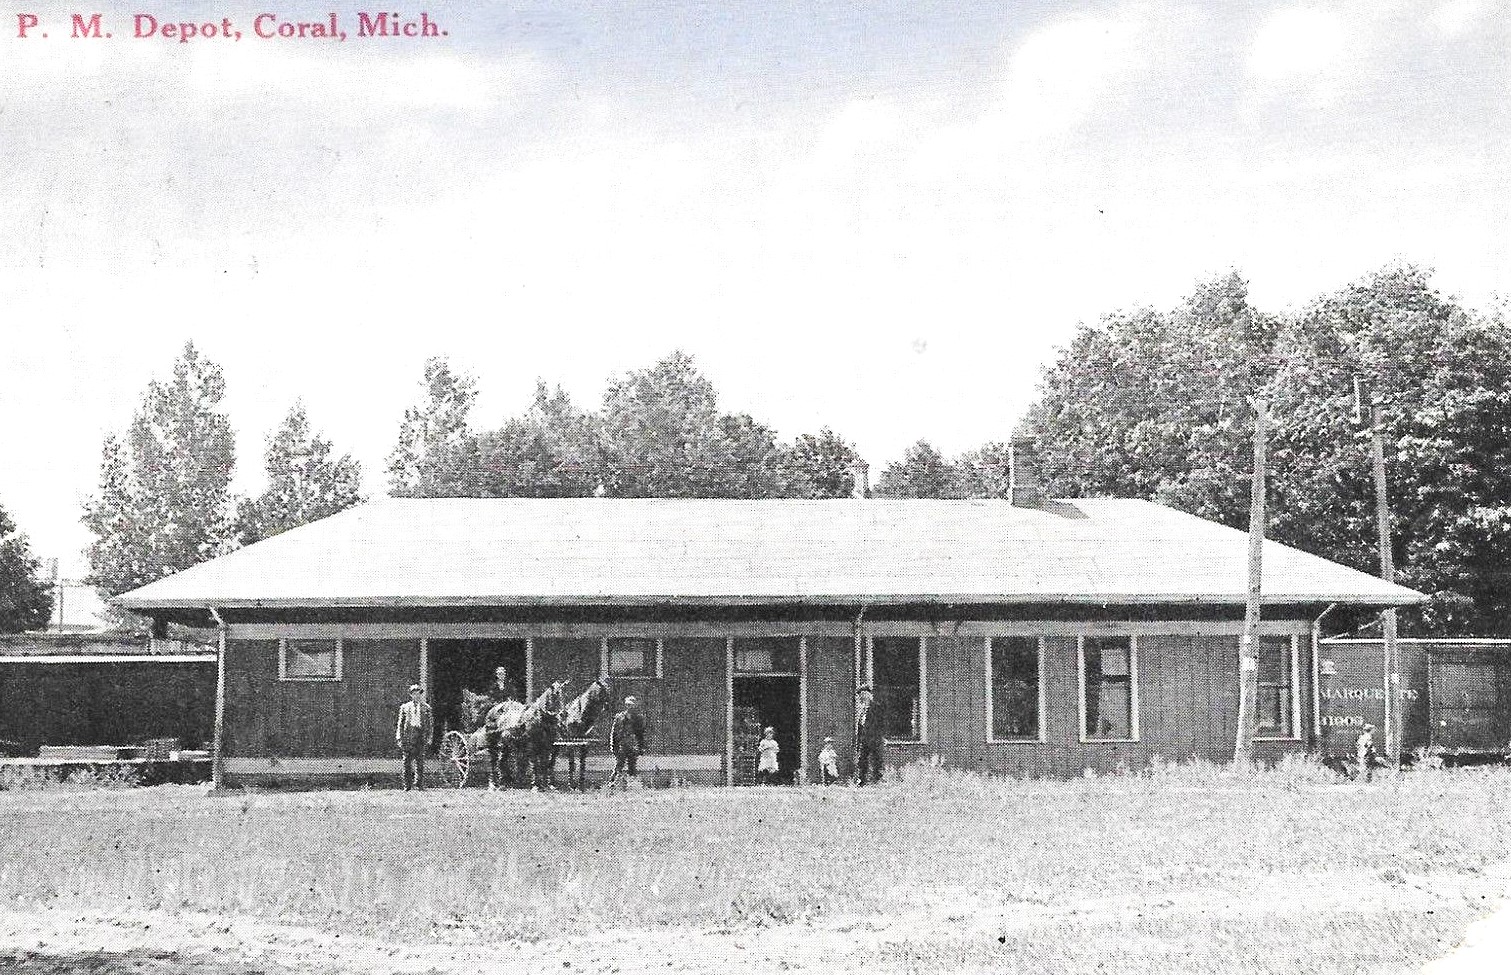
(828, 762)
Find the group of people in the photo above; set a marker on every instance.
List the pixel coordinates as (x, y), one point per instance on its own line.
(416, 728)
(870, 737)
(415, 731)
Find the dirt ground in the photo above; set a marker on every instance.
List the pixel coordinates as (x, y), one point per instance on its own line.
(1187, 875)
(54, 939)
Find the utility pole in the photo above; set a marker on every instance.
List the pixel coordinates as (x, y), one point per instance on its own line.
(1395, 727)
(57, 591)
(1248, 656)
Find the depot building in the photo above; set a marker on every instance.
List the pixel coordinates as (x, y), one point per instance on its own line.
(1029, 636)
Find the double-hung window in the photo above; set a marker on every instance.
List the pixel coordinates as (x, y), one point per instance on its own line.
(1277, 699)
(1109, 688)
(897, 675)
(1015, 688)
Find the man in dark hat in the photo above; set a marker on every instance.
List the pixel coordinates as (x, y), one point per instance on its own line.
(412, 735)
(626, 740)
(498, 758)
(870, 736)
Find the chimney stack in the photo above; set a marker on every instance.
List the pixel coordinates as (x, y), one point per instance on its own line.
(861, 472)
(1024, 489)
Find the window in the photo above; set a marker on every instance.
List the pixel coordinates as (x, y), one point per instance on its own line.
(631, 656)
(764, 655)
(897, 675)
(1277, 687)
(1014, 704)
(309, 659)
(1109, 689)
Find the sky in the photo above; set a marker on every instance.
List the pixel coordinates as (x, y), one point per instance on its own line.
(880, 216)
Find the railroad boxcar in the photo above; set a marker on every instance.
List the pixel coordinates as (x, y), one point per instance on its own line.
(1456, 697)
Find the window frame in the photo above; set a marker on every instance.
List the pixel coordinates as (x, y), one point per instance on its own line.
(923, 683)
(991, 718)
(1294, 665)
(799, 649)
(1133, 682)
(283, 660)
(603, 659)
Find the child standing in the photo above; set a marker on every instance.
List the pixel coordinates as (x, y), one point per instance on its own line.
(1364, 752)
(828, 762)
(767, 766)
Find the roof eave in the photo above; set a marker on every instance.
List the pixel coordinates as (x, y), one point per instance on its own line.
(1405, 598)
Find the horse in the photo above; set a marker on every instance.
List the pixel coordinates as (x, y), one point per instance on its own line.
(481, 718)
(531, 729)
(576, 721)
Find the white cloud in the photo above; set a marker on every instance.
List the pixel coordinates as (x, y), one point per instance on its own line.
(1057, 73)
(1457, 16)
(1299, 43)
(800, 256)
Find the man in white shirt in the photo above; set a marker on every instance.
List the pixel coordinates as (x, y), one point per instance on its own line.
(412, 735)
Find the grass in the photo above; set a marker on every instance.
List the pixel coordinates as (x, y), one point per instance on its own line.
(1181, 868)
(44, 779)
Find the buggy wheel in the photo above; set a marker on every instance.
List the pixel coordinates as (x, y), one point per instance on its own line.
(455, 759)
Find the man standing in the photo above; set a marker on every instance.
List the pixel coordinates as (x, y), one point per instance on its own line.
(412, 735)
(627, 739)
(501, 691)
(503, 688)
(870, 736)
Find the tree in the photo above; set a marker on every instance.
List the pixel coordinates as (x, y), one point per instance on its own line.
(1442, 378)
(1151, 404)
(553, 450)
(25, 597)
(665, 438)
(432, 435)
(165, 500)
(1156, 405)
(985, 472)
(820, 466)
(305, 482)
(923, 472)
(660, 434)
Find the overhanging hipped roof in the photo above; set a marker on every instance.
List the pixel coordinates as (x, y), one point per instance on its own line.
(599, 551)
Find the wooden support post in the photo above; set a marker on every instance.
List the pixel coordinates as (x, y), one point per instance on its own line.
(729, 709)
(802, 710)
(1248, 655)
(217, 764)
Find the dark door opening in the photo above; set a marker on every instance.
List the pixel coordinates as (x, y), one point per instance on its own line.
(768, 702)
(455, 664)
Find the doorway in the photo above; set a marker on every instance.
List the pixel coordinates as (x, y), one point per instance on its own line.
(457, 664)
(762, 702)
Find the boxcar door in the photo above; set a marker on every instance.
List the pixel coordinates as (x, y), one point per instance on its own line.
(1470, 706)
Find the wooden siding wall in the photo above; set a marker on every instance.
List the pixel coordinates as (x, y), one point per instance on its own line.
(114, 703)
(1187, 696)
(352, 717)
(577, 661)
(1187, 691)
(693, 698)
(831, 701)
(683, 709)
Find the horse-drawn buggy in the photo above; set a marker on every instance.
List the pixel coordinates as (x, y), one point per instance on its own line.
(507, 737)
